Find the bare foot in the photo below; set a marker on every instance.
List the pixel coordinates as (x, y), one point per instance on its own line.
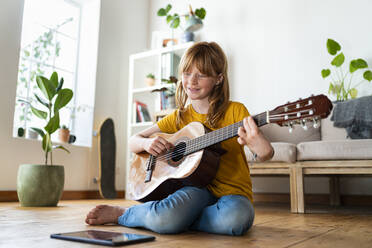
(103, 214)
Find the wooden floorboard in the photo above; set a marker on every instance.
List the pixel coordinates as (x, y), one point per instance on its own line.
(274, 226)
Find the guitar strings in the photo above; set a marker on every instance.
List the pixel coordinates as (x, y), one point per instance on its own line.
(229, 131)
(205, 142)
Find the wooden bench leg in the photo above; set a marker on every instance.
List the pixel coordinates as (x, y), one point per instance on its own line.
(293, 189)
(297, 190)
(334, 191)
(300, 190)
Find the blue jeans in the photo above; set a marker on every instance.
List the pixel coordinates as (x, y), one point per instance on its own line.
(192, 208)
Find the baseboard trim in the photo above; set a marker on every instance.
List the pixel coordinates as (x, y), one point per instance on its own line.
(347, 200)
(323, 199)
(11, 196)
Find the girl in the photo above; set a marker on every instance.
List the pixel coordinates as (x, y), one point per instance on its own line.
(225, 205)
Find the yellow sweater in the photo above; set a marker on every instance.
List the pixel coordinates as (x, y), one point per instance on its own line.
(233, 177)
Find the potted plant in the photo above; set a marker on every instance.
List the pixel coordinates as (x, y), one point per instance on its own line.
(193, 21)
(341, 84)
(64, 134)
(42, 184)
(150, 79)
(170, 92)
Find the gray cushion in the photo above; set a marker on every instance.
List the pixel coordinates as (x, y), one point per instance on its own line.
(335, 150)
(283, 152)
(276, 133)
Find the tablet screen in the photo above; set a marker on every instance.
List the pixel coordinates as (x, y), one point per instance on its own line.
(104, 236)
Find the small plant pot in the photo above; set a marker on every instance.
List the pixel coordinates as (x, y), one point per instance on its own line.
(150, 82)
(64, 135)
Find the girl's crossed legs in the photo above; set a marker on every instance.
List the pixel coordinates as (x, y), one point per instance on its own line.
(188, 208)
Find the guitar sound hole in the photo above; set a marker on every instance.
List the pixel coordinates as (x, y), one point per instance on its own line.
(179, 150)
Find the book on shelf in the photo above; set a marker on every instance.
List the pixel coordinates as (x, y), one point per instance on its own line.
(142, 112)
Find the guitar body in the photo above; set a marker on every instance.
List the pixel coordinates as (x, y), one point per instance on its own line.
(197, 169)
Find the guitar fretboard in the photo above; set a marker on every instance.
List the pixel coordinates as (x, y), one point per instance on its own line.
(220, 135)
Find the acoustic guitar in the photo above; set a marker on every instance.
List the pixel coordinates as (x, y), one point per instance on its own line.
(194, 160)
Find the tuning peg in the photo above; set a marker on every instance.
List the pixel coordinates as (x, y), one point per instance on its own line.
(316, 123)
(303, 124)
(290, 125)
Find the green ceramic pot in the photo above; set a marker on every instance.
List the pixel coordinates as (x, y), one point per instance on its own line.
(40, 185)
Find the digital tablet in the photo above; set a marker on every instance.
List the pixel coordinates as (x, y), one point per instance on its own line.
(103, 237)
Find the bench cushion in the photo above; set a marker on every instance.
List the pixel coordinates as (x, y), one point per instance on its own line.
(329, 132)
(335, 150)
(283, 152)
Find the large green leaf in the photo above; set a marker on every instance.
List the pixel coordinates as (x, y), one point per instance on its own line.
(54, 79)
(53, 124)
(63, 98)
(60, 85)
(41, 101)
(47, 143)
(352, 68)
(39, 131)
(60, 147)
(357, 64)
(367, 75)
(333, 47)
(46, 87)
(326, 73)
(338, 60)
(41, 114)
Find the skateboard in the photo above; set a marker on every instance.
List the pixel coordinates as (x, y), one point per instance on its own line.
(107, 152)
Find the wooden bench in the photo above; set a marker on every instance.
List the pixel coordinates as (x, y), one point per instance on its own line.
(333, 169)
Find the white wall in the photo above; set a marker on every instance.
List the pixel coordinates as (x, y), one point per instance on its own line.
(123, 31)
(276, 50)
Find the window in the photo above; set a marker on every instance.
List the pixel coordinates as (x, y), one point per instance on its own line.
(51, 38)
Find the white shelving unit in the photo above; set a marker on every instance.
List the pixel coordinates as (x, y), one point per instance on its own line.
(160, 62)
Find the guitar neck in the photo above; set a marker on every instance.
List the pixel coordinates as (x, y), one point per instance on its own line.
(220, 135)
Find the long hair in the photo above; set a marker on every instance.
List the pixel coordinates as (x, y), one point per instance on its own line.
(209, 59)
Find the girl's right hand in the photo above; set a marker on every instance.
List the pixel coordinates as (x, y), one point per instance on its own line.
(157, 145)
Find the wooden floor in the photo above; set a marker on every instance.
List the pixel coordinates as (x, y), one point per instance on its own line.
(274, 226)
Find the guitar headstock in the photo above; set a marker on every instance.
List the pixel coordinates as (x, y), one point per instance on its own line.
(301, 111)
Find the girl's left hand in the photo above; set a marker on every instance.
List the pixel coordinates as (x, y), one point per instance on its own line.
(251, 136)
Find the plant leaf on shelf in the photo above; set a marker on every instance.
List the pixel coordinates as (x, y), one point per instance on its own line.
(200, 13)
